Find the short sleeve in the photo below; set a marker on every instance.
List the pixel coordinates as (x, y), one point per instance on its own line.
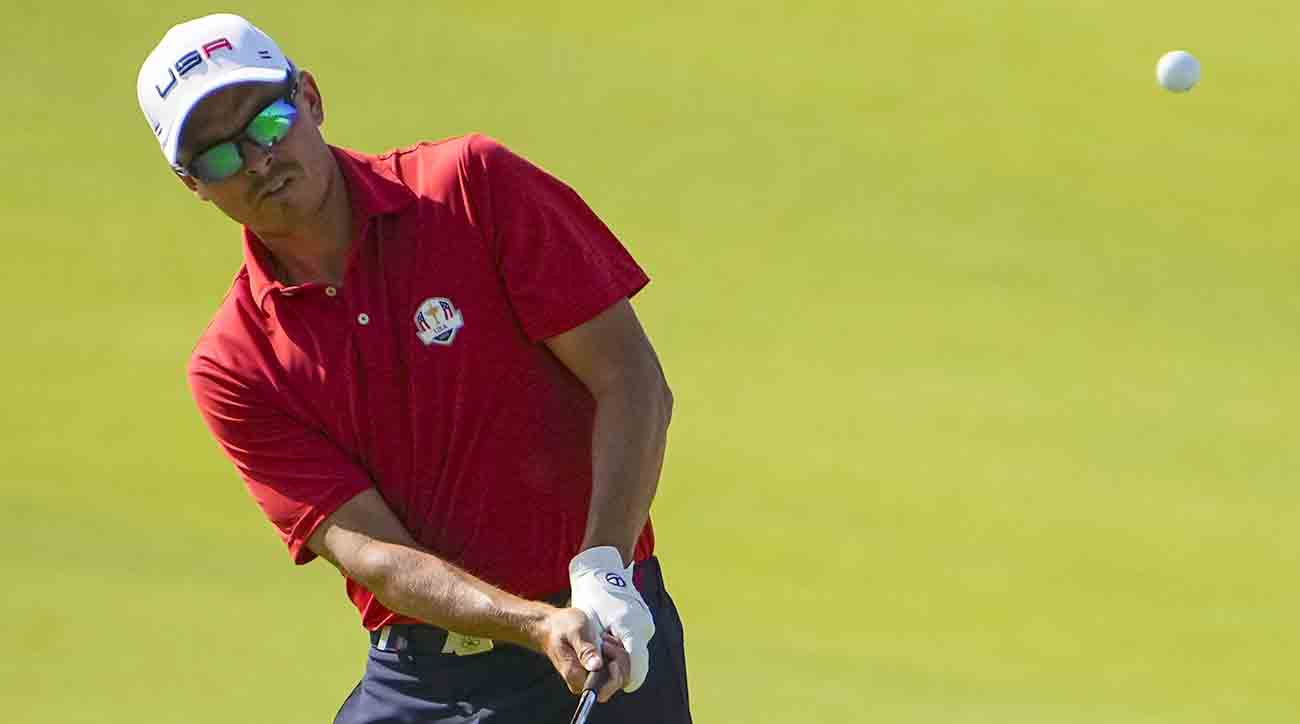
(297, 476)
(561, 265)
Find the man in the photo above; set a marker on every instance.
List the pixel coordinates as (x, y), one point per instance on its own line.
(428, 373)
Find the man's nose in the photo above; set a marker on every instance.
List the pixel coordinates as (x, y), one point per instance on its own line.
(257, 158)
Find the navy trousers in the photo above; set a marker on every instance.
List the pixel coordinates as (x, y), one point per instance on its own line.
(511, 685)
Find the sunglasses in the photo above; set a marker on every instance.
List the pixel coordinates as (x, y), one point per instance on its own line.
(223, 160)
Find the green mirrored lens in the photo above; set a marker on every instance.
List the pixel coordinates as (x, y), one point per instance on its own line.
(218, 162)
(271, 125)
(267, 128)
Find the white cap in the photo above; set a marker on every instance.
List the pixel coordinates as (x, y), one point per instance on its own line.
(196, 59)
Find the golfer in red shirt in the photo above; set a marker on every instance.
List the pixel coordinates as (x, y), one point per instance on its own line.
(428, 373)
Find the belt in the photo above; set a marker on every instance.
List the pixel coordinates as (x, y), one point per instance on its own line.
(414, 638)
(419, 638)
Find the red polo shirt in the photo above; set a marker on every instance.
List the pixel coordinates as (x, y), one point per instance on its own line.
(424, 374)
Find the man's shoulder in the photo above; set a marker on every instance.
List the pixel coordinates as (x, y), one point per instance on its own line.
(230, 333)
(452, 147)
(430, 163)
(444, 170)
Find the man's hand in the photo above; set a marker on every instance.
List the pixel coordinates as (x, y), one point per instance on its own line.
(563, 636)
(602, 588)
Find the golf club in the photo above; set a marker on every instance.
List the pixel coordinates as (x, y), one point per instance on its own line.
(587, 700)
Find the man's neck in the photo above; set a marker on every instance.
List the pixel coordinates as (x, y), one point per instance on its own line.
(317, 249)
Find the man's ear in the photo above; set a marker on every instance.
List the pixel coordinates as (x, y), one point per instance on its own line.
(310, 94)
(193, 186)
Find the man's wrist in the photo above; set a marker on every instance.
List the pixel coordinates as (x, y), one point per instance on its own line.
(528, 624)
(625, 552)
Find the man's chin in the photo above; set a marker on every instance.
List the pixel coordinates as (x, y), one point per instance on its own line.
(287, 207)
(279, 213)
(272, 219)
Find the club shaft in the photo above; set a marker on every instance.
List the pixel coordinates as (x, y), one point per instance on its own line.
(587, 700)
(585, 704)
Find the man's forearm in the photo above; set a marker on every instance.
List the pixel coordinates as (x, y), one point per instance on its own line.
(417, 584)
(628, 442)
(368, 543)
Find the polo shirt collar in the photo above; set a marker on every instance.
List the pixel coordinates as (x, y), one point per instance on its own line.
(374, 190)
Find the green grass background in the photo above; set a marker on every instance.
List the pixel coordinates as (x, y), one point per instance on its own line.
(982, 347)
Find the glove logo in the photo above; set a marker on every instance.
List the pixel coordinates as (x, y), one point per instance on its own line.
(614, 579)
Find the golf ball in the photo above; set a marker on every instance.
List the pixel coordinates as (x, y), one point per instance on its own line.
(1178, 71)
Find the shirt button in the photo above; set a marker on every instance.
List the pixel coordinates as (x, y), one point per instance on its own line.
(331, 291)
(363, 318)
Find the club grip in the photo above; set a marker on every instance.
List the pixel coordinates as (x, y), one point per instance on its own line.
(596, 679)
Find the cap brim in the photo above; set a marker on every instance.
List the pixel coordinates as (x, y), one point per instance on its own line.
(171, 148)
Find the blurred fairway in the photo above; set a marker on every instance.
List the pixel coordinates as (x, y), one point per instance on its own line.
(982, 346)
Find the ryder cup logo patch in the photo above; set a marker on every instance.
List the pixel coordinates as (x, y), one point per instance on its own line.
(437, 320)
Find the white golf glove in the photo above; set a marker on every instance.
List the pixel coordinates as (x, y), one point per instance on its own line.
(602, 588)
